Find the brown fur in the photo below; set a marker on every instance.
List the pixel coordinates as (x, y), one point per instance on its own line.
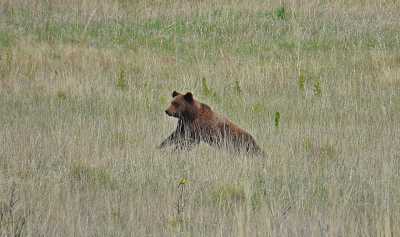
(197, 122)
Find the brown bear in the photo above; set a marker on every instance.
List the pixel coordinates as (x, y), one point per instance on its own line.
(197, 122)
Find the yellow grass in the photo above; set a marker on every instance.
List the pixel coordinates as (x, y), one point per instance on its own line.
(84, 86)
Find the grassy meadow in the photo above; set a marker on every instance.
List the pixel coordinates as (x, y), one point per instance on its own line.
(83, 89)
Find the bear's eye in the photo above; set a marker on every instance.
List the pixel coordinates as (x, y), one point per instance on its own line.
(174, 103)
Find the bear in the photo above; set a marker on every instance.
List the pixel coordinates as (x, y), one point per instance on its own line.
(197, 122)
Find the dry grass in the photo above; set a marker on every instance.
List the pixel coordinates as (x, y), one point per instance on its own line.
(83, 87)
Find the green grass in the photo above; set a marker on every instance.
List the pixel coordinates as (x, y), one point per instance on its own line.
(83, 89)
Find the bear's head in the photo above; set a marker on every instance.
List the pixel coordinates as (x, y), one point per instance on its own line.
(182, 106)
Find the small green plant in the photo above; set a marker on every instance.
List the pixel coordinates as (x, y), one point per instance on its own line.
(6, 40)
(280, 13)
(260, 193)
(207, 91)
(163, 100)
(257, 108)
(308, 146)
(61, 95)
(238, 90)
(228, 196)
(121, 81)
(302, 81)
(317, 88)
(176, 223)
(277, 119)
(90, 175)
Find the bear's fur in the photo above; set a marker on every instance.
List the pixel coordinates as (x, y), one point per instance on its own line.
(197, 122)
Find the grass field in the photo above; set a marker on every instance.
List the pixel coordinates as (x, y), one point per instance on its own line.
(84, 86)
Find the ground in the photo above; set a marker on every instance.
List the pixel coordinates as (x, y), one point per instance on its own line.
(84, 86)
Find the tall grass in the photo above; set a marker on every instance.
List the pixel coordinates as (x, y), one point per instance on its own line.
(83, 87)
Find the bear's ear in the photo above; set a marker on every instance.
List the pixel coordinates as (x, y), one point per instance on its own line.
(188, 97)
(175, 94)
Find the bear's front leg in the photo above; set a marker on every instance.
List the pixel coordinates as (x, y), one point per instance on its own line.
(173, 139)
(180, 141)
